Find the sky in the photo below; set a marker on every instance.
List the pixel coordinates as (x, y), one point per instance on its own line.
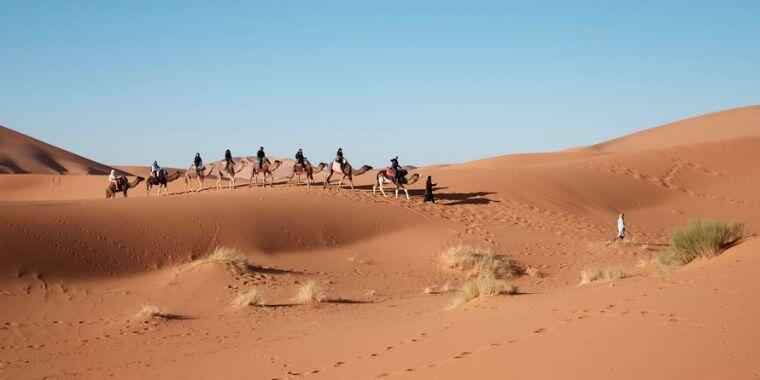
(127, 82)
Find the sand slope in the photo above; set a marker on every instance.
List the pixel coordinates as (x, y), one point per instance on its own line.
(21, 154)
(76, 269)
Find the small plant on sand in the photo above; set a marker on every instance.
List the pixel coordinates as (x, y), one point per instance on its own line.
(590, 275)
(311, 292)
(231, 257)
(533, 272)
(445, 288)
(249, 298)
(701, 238)
(480, 287)
(477, 262)
(152, 311)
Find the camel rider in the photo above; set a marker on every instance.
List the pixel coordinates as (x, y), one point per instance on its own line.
(261, 156)
(198, 162)
(339, 156)
(228, 157)
(155, 169)
(112, 179)
(395, 167)
(300, 159)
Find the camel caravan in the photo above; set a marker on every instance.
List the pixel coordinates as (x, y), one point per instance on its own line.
(229, 169)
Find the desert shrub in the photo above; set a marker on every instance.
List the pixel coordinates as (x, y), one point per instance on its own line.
(311, 292)
(533, 272)
(479, 287)
(590, 275)
(477, 262)
(701, 238)
(152, 311)
(231, 257)
(249, 298)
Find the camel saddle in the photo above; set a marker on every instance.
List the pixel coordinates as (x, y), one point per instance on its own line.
(389, 172)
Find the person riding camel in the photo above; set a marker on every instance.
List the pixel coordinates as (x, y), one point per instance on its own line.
(300, 158)
(261, 156)
(228, 158)
(198, 162)
(155, 169)
(339, 158)
(395, 168)
(113, 179)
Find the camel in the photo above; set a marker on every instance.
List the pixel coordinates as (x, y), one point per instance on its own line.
(383, 177)
(122, 185)
(346, 170)
(308, 169)
(194, 173)
(267, 169)
(161, 181)
(230, 170)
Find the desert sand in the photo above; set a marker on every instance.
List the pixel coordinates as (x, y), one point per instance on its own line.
(77, 269)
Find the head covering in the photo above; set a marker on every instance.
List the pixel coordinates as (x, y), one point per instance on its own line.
(113, 171)
(197, 154)
(155, 162)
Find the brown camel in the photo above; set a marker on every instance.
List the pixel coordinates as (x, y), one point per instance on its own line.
(161, 181)
(347, 172)
(267, 169)
(199, 174)
(383, 177)
(308, 169)
(230, 170)
(122, 186)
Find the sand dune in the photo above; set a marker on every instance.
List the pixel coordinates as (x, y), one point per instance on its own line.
(77, 268)
(21, 154)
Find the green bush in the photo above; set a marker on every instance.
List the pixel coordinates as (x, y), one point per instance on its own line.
(701, 238)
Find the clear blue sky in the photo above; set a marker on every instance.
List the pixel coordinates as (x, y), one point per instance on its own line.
(432, 81)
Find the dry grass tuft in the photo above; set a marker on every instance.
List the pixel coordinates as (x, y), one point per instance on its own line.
(152, 311)
(250, 298)
(533, 272)
(359, 259)
(311, 292)
(445, 288)
(480, 287)
(477, 262)
(231, 257)
(590, 275)
(701, 238)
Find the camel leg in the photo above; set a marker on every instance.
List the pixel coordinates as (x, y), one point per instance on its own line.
(351, 181)
(327, 180)
(396, 191)
(407, 193)
(381, 188)
(340, 183)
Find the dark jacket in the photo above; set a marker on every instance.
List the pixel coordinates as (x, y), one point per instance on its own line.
(340, 153)
(299, 156)
(260, 154)
(228, 156)
(429, 185)
(197, 161)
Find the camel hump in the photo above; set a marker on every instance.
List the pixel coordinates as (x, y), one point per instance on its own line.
(337, 167)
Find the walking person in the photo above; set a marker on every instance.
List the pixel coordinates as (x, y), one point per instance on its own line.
(429, 190)
(621, 228)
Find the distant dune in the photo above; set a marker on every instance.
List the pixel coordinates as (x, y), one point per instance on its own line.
(21, 154)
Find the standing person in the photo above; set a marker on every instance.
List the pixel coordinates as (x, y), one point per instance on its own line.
(621, 228)
(300, 159)
(429, 190)
(261, 156)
